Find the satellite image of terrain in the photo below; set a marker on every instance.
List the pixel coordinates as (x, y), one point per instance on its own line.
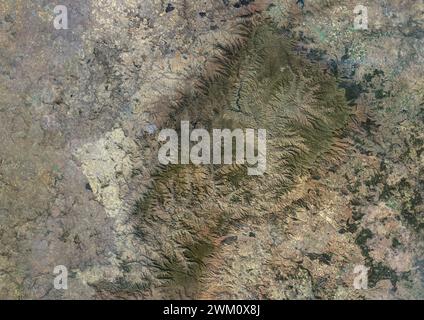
(212, 149)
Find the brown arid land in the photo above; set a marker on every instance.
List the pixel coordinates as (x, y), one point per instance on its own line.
(79, 111)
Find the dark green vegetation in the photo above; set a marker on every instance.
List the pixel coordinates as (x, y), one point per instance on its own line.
(255, 81)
